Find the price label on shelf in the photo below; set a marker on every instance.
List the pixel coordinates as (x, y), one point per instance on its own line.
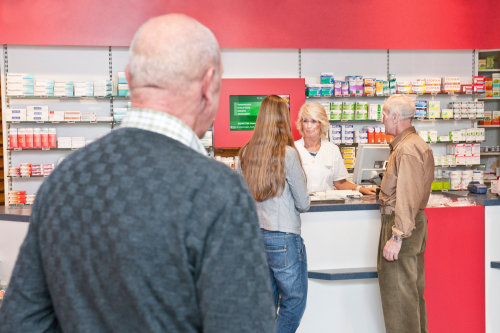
(45, 148)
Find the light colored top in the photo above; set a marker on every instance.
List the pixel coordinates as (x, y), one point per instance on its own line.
(410, 172)
(283, 213)
(324, 168)
(165, 124)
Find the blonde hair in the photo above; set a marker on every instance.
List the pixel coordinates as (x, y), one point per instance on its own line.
(262, 159)
(317, 112)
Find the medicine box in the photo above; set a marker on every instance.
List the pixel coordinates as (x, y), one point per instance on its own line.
(16, 114)
(77, 142)
(56, 115)
(64, 142)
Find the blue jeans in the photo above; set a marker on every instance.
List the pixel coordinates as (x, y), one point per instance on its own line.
(286, 256)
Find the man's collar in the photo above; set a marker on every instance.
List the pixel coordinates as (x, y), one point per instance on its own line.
(401, 136)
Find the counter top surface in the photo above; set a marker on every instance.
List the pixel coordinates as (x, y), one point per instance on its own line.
(368, 202)
(488, 199)
(17, 214)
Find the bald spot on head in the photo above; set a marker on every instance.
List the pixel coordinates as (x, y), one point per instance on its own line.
(171, 52)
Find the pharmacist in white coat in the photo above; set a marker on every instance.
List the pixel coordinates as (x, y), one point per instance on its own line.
(321, 159)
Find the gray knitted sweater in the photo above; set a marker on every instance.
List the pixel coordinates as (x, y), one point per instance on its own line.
(139, 233)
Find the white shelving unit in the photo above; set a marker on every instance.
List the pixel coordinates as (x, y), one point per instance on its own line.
(491, 159)
(97, 63)
(57, 63)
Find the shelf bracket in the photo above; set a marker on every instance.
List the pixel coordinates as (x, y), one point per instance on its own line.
(110, 67)
(6, 70)
(388, 62)
(7, 162)
(300, 63)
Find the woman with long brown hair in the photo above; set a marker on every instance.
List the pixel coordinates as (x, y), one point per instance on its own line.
(272, 168)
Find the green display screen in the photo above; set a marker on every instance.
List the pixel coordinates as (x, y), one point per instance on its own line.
(244, 110)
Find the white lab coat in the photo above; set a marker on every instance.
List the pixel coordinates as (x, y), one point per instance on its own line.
(324, 168)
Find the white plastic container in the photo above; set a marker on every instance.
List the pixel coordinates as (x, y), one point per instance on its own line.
(494, 186)
(455, 180)
(466, 178)
(477, 176)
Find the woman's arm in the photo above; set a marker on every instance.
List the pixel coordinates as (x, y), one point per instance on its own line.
(343, 184)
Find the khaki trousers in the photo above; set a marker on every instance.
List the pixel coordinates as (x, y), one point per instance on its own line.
(402, 282)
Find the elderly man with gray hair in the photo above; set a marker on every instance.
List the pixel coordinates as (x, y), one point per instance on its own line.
(404, 194)
(140, 231)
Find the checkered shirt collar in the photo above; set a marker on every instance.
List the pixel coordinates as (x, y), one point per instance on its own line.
(165, 124)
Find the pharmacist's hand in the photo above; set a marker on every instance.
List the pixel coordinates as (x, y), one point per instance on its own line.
(391, 249)
(368, 190)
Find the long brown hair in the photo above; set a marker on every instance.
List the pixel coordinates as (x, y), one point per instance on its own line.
(263, 157)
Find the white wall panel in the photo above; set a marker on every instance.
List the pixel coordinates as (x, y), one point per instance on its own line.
(260, 63)
(120, 59)
(60, 62)
(369, 63)
(413, 64)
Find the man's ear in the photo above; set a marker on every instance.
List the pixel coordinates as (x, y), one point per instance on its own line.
(206, 88)
(127, 74)
(395, 116)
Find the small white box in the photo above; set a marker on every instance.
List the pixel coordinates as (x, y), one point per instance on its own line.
(56, 115)
(37, 115)
(31, 108)
(72, 115)
(467, 150)
(16, 114)
(476, 149)
(77, 142)
(91, 116)
(433, 136)
(64, 142)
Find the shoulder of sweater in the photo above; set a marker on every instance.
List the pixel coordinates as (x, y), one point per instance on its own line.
(185, 154)
(291, 153)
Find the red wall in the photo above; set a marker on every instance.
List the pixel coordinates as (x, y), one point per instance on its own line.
(223, 136)
(454, 269)
(366, 24)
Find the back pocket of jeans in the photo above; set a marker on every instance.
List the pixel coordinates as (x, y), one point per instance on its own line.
(276, 256)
